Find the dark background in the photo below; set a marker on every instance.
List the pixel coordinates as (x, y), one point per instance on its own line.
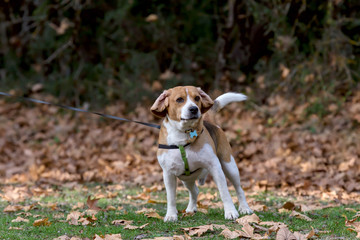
(99, 51)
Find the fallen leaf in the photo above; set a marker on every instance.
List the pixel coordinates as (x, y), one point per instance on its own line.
(15, 228)
(145, 210)
(128, 226)
(199, 230)
(141, 196)
(228, 234)
(156, 201)
(285, 234)
(155, 188)
(92, 204)
(289, 206)
(110, 208)
(353, 224)
(13, 208)
(300, 216)
(151, 18)
(20, 219)
(248, 219)
(121, 222)
(153, 215)
(108, 237)
(275, 226)
(63, 237)
(78, 205)
(259, 208)
(73, 217)
(42, 222)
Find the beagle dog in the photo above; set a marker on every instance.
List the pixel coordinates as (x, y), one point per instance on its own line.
(191, 145)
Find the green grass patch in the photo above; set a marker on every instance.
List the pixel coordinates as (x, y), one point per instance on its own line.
(328, 223)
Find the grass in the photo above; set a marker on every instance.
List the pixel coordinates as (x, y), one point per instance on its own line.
(330, 220)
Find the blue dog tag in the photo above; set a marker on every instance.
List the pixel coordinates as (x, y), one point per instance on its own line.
(193, 134)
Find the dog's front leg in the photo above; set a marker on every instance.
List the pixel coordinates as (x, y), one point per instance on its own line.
(170, 185)
(220, 180)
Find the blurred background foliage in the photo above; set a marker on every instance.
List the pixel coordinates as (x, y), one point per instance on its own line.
(86, 51)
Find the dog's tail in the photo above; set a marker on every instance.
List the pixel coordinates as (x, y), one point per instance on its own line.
(227, 98)
(224, 100)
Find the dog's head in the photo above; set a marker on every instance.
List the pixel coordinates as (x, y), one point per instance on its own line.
(182, 104)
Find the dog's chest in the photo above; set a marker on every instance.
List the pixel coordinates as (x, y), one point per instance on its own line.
(171, 160)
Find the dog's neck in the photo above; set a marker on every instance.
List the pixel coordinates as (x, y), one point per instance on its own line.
(180, 132)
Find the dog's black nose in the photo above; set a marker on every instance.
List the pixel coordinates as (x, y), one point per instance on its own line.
(194, 109)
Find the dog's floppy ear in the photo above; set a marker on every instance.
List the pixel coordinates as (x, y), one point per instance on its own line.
(160, 105)
(206, 101)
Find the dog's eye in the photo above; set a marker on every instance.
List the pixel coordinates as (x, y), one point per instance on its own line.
(197, 98)
(180, 100)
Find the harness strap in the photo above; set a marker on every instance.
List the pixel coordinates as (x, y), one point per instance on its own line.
(184, 158)
(164, 146)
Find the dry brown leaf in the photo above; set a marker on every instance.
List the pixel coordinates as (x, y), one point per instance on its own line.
(63, 237)
(228, 234)
(259, 208)
(73, 217)
(42, 222)
(353, 225)
(15, 228)
(13, 208)
(20, 219)
(121, 222)
(155, 188)
(128, 226)
(79, 205)
(275, 226)
(151, 18)
(300, 216)
(285, 234)
(153, 215)
(108, 237)
(289, 206)
(199, 230)
(156, 201)
(110, 208)
(187, 214)
(141, 196)
(145, 210)
(248, 219)
(92, 204)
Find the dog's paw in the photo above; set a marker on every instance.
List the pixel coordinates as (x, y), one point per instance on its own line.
(231, 215)
(192, 209)
(245, 210)
(170, 218)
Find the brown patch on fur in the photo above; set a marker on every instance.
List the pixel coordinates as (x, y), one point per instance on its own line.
(223, 148)
(159, 108)
(202, 140)
(162, 139)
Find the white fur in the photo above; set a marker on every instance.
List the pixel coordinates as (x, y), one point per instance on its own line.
(176, 131)
(230, 97)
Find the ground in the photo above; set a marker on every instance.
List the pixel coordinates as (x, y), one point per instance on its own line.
(303, 153)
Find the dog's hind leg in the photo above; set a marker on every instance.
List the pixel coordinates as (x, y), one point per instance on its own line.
(203, 176)
(193, 194)
(232, 173)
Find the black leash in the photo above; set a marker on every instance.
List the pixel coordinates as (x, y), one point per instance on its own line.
(79, 110)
